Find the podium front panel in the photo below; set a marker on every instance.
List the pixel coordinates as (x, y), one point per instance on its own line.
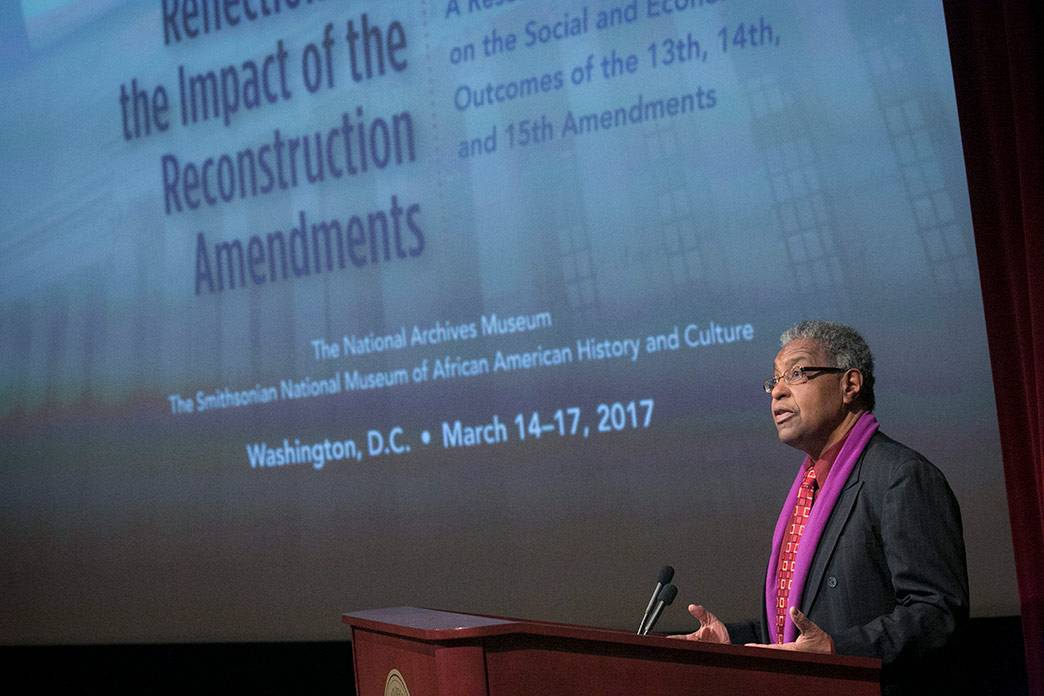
(523, 666)
(406, 651)
(424, 668)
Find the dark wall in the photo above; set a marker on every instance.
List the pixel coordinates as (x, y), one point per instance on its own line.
(288, 668)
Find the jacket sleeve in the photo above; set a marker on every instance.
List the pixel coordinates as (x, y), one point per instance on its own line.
(923, 544)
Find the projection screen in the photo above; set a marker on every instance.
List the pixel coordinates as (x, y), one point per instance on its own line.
(308, 307)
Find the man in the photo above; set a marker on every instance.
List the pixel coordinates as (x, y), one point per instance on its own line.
(868, 556)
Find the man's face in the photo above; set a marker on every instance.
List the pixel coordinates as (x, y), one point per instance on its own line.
(806, 414)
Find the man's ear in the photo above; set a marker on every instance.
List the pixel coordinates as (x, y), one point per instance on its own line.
(851, 386)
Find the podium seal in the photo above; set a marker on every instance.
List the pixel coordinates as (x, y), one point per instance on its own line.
(395, 685)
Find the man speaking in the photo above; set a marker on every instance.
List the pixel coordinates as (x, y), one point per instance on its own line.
(868, 554)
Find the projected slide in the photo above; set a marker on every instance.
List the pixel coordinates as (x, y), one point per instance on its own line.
(317, 306)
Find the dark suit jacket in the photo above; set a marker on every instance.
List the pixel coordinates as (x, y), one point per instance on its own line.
(889, 578)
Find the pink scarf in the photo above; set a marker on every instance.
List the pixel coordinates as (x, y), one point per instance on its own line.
(846, 460)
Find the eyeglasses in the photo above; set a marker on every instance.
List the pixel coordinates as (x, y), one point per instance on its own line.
(797, 375)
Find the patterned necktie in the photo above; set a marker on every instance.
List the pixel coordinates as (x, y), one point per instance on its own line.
(785, 571)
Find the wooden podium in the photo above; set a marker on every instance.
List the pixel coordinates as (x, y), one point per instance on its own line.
(423, 652)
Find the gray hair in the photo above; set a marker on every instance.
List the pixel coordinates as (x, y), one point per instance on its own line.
(844, 347)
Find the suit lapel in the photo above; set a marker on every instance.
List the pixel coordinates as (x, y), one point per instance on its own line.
(825, 550)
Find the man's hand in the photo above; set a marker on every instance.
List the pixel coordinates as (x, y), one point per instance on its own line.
(711, 629)
(812, 638)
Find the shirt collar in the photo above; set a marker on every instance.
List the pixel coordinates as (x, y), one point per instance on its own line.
(825, 461)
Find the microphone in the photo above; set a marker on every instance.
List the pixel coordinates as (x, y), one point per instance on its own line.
(667, 595)
(666, 573)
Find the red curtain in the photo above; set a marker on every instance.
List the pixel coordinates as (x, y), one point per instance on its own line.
(998, 72)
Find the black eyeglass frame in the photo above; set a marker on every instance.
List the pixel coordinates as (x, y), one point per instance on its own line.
(802, 376)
